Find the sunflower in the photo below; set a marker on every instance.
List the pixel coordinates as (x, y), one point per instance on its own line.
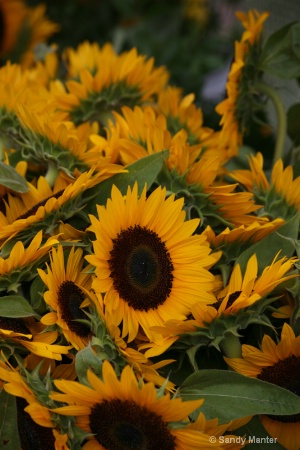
(146, 262)
(243, 234)
(117, 80)
(279, 364)
(32, 335)
(236, 108)
(213, 428)
(34, 420)
(279, 196)
(52, 139)
(41, 201)
(142, 366)
(239, 293)
(125, 414)
(143, 131)
(181, 112)
(23, 28)
(243, 291)
(67, 286)
(20, 257)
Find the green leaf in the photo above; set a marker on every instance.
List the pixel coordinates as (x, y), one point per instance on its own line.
(9, 436)
(267, 248)
(11, 179)
(229, 395)
(281, 53)
(144, 172)
(15, 306)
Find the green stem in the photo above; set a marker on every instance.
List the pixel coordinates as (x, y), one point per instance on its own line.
(281, 118)
(231, 346)
(51, 174)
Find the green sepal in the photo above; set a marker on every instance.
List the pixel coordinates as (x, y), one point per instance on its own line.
(87, 359)
(229, 395)
(39, 149)
(98, 106)
(224, 330)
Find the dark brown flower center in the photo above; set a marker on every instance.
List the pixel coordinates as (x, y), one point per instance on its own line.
(285, 373)
(232, 298)
(16, 325)
(70, 298)
(141, 268)
(2, 201)
(32, 436)
(124, 425)
(34, 209)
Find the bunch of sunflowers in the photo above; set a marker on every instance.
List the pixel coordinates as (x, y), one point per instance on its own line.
(149, 265)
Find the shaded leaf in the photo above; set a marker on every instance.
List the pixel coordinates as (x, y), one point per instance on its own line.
(281, 53)
(11, 179)
(9, 436)
(15, 306)
(229, 395)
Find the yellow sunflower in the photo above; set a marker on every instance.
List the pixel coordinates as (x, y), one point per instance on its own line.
(125, 414)
(12, 14)
(22, 29)
(67, 286)
(21, 257)
(34, 420)
(146, 262)
(143, 131)
(240, 292)
(277, 363)
(243, 234)
(243, 291)
(33, 336)
(233, 107)
(182, 112)
(52, 139)
(212, 428)
(280, 194)
(117, 80)
(22, 212)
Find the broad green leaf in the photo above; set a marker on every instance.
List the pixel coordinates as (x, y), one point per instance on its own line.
(144, 172)
(11, 179)
(267, 248)
(229, 395)
(257, 436)
(281, 53)
(9, 436)
(15, 306)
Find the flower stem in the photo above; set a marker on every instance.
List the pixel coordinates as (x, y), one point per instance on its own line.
(281, 118)
(51, 174)
(231, 346)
